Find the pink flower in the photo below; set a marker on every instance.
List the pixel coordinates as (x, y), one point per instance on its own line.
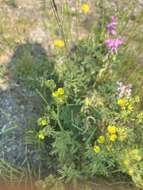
(111, 27)
(113, 44)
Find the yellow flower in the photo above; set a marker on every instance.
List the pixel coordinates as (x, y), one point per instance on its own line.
(112, 129)
(130, 107)
(101, 140)
(88, 101)
(41, 136)
(130, 171)
(122, 102)
(61, 91)
(126, 162)
(122, 134)
(43, 121)
(137, 99)
(96, 149)
(55, 94)
(85, 8)
(113, 138)
(50, 84)
(59, 43)
(59, 95)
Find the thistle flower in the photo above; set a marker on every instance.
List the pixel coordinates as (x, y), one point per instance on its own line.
(113, 44)
(111, 27)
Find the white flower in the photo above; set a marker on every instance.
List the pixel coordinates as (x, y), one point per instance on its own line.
(123, 90)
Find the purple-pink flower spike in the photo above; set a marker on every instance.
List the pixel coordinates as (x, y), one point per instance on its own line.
(111, 27)
(113, 44)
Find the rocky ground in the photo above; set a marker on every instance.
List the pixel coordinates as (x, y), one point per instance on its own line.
(21, 22)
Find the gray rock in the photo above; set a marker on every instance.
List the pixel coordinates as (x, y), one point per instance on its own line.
(15, 115)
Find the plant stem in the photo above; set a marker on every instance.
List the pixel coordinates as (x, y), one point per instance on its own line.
(58, 118)
(55, 10)
(43, 98)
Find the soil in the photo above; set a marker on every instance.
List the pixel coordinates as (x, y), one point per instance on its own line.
(99, 185)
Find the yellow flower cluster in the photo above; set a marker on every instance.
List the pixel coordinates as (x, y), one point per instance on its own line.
(41, 135)
(100, 140)
(131, 157)
(112, 132)
(125, 104)
(59, 95)
(58, 92)
(116, 132)
(43, 121)
(128, 103)
(59, 43)
(85, 8)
